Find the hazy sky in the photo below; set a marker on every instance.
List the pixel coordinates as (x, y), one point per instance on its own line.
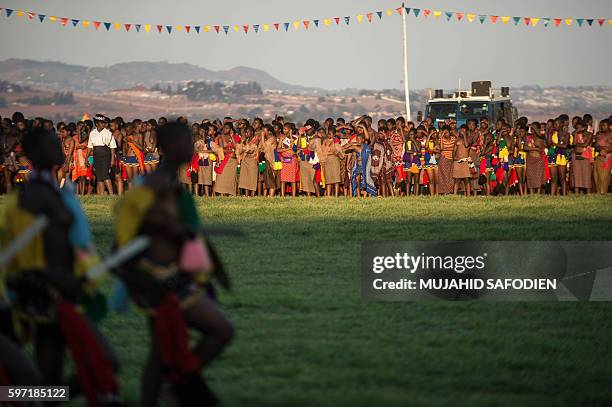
(361, 55)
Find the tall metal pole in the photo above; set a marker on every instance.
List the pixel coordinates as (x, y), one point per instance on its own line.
(406, 87)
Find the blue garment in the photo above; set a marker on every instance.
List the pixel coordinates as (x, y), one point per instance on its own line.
(79, 234)
(362, 167)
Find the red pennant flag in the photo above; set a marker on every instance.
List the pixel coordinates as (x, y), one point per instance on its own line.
(159, 28)
(399, 10)
(276, 26)
(369, 17)
(527, 20)
(459, 16)
(31, 15)
(97, 24)
(127, 27)
(246, 28)
(306, 23)
(426, 13)
(337, 19)
(494, 19)
(557, 22)
(187, 28)
(64, 21)
(601, 21)
(217, 28)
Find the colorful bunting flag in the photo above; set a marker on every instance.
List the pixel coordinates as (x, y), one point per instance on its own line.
(417, 12)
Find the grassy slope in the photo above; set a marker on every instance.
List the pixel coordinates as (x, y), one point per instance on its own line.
(304, 335)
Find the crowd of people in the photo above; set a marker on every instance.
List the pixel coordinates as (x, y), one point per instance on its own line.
(351, 158)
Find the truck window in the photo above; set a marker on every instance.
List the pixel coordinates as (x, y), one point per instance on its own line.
(442, 110)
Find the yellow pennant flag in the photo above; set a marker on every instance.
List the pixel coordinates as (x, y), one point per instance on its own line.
(86, 23)
(327, 21)
(236, 28)
(206, 28)
(179, 28)
(360, 18)
(20, 13)
(471, 17)
(437, 14)
(53, 18)
(610, 21)
(505, 19)
(266, 27)
(534, 21)
(568, 21)
(147, 27)
(389, 12)
(296, 24)
(117, 26)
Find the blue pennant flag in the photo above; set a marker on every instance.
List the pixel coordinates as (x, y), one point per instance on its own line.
(407, 10)
(516, 20)
(316, 23)
(197, 28)
(107, 25)
(9, 12)
(41, 17)
(580, 21)
(379, 14)
(226, 28)
(449, 15)
(169, 29)
(286, 25)
(482, 19)
(137, 27)
(75, 22)
(590, 22)
(347, 20)
(256, 28)
(416, 11)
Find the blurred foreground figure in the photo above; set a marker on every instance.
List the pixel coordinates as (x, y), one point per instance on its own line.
(171, 278)
(46, 279)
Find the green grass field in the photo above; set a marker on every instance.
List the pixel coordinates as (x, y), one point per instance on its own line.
(304, 335)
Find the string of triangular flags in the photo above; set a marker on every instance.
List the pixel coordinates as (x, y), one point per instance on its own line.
(306, 24)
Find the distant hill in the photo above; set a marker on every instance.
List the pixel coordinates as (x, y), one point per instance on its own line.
(60, 76)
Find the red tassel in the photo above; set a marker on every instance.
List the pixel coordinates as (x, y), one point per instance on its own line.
(513, 177)
(483, 166)
(425, 178)
(94, 370)
(221, 166)
(546, 167)
(124, 173)
(318, 176)
(173, 334)
(499, 175)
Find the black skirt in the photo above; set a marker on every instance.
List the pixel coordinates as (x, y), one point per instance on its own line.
(101, 162)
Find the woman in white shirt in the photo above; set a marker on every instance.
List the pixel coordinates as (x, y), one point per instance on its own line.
(101, 143)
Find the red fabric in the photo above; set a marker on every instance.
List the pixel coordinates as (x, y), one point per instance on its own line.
(483, 166)
(123, 172)
(173, 335)
(318, 176)
(499, 175)
(513, 177)
(94, 370)
(425, 178)
(237, 139)
(221, 166)
(89, 172)
(546, 167)
(139, 155)
(195, 164)
(400, 174)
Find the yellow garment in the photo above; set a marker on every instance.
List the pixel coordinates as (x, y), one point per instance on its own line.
(278, 165)
(129, 212)
(503, 154)
(212, 157)
(561, 160)
(555, 138)
(14, 222)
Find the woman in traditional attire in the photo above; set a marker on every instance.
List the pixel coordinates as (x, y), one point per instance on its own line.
(307, 159)
(203, 163)
(171, 278)
(461, 162)
(445, 162)
(557, 143)
(267, 144)
(248, 154)
(225, 150)
(287, 149)
(534, 145)
(582, 157)
(48, 277)
(602, 166)
(67, 143)
(332, 155)
(151, 153)
(431, 156)
(79, 160)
